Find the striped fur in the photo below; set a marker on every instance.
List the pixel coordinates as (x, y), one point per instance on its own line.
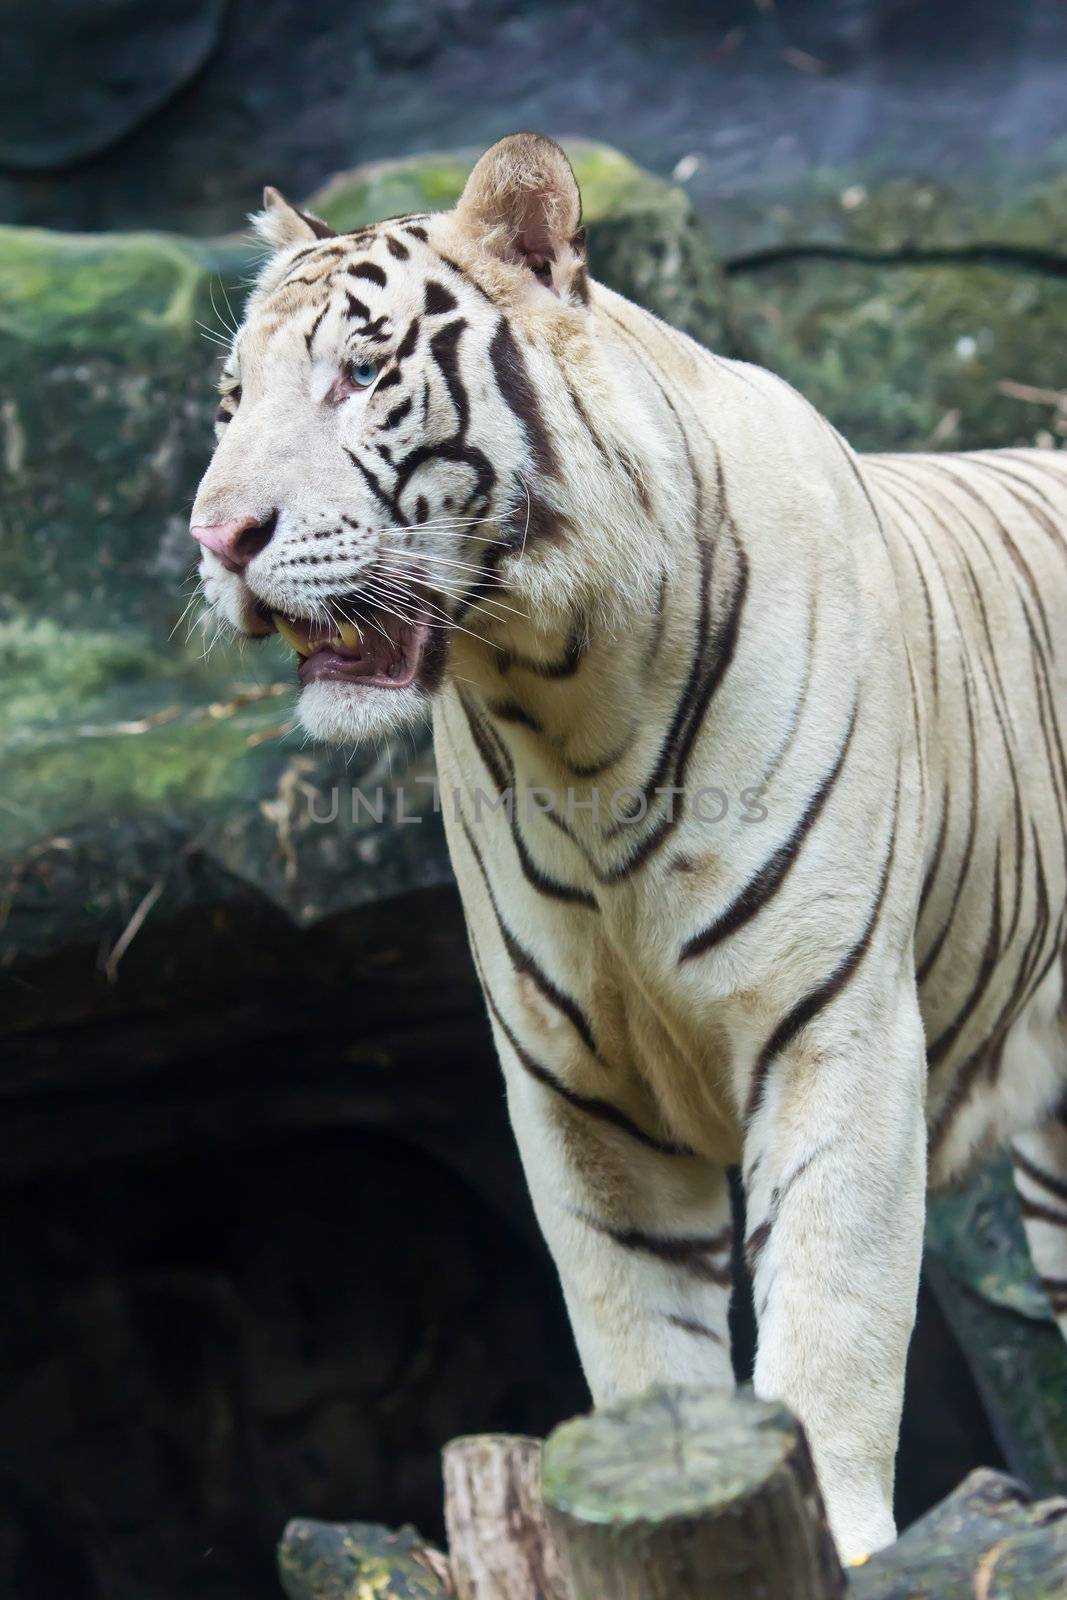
(682, 586)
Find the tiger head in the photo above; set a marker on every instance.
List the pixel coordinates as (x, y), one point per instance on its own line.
(406, 455)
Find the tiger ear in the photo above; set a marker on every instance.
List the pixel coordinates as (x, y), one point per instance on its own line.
(281, 225)
(522, 204)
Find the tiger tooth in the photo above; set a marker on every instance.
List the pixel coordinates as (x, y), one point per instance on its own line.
(291, 636)
(350, 635)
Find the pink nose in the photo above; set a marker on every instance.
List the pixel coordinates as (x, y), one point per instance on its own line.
(238, 541)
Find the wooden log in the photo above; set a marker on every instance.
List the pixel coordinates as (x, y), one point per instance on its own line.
(499, 1544)
(988, 1541)
(689, 1494)
(353, 1560)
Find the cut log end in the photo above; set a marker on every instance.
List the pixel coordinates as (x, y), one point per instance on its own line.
(716, 1489)
(667, 1453)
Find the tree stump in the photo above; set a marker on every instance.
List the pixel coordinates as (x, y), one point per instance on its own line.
(689, 1494)
(498, 1541)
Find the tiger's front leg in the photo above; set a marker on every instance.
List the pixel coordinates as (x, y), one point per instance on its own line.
(835, 1164)
(641, 1238)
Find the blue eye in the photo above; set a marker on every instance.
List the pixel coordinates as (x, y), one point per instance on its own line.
(363, 373)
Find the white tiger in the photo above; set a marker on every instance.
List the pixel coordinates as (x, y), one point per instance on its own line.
(782, 879)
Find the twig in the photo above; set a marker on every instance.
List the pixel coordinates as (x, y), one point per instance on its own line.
(131, 930)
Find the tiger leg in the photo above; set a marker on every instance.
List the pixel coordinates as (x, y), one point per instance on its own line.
(835, 1163)
(1040, 1165)
(642, 1242)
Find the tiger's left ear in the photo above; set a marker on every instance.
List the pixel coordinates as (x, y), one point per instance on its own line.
(522, 204)
(281, 225)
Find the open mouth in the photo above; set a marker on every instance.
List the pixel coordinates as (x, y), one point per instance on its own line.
(380, 652)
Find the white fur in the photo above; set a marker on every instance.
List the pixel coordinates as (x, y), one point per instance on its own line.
(859, 607)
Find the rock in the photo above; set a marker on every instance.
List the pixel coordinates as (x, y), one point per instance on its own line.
(118, 62)
(761, 99)
(127, 752)
(1009, 210)
(988, 1538)
(979, 1268)
(348, 1560)
(904, 356)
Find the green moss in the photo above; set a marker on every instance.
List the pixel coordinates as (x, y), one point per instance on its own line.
(48, 671)
(85, 291)
(902, 356)
(1008, 203)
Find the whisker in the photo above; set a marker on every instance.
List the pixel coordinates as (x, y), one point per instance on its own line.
(233, 317)
(451, 586)
(450, 622)
(213, 335)
(456, 592)
(214, 307)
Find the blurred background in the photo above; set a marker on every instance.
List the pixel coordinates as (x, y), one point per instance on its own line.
(266, 1242)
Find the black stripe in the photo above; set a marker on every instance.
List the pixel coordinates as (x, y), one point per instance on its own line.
(699, 1330)
(764, 885)
(692, 1252)
(600, 1110)
(517, 389)
(368, 270)
(1040, 516)
(1033, 1212)
(444, 347)
(398, 413)
(940, 1047)
(1045, 1180)
(438, 299)
(454, 266)
(931, 627)
(1008, 542)
(583, 417)
(594, 769)
(819, 998)
(511, 711)
(696, 713)
(385, 500)
(524, 963)
(502, 772)
(755, 1245)
(409, 341)
(565, 666)
(939, 846)
(309, 337)
(935, 949)
(398, 251)
(988, 1052)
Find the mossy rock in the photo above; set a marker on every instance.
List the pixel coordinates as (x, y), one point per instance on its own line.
(902, 356)
(1010, 206)
(122, 744)
(358, 1561)
(979, 1266)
